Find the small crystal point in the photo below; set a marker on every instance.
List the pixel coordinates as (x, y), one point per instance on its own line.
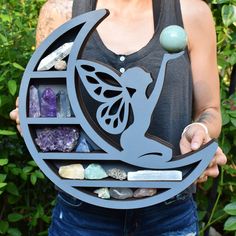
(117, 173)
(73, 171)
(63, 105)
(34, 106)
(50, 60)
(144, 192)
(83, 145)
(95, 171)
(48, 103)
(155, 175)
(103, 193)
(121, 193)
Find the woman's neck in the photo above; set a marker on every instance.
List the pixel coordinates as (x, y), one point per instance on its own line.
(124, 7)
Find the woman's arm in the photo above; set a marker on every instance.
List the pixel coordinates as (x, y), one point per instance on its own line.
(199, 25)
(52, 14)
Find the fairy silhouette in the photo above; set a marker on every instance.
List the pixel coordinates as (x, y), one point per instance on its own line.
(118, 94)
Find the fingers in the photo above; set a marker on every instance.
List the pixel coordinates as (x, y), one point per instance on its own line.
(212, 171)
(209, 172)
(220, 158)
(196, 135)
(14, 114)
(202, 178)
(184, 146)
(199, 138)
(213, 168)
(19, 129)
(17, 102)
(193, 138)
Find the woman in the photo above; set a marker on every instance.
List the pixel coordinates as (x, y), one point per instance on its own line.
(190, 94)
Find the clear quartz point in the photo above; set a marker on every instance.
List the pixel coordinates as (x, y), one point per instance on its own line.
(63, 105)
(34, 105)
(50, 60)
(155, 175)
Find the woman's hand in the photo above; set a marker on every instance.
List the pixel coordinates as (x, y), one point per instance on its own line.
(14, 115)
(192, 139)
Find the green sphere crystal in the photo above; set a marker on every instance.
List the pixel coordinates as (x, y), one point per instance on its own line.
(173, 38)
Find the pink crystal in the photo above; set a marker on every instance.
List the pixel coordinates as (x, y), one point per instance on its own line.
(145, 192)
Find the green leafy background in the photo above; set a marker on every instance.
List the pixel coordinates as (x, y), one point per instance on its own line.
(27, 197)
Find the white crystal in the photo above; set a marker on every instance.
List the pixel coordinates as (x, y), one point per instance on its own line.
(103, 193)
(50, 60)
(73, 171)
(60, 65)
(155, 175)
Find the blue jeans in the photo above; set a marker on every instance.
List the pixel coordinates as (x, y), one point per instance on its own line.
(176, 217)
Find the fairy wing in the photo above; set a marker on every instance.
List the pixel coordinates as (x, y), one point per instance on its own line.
(106, 86)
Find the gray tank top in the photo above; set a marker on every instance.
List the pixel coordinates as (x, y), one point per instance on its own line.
(174, 108)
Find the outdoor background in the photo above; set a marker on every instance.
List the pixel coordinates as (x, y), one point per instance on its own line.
(27, 197)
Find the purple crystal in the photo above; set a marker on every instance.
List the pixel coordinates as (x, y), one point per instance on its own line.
(48, 103)
(62, 139)
(34, 107)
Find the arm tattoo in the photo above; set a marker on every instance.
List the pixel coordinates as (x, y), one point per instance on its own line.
(205, 117)
(49, 20)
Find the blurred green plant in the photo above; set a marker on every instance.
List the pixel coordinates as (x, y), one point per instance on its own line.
(25, 207)
(217, 215)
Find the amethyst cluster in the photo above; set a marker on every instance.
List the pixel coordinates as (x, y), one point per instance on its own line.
(62, 138)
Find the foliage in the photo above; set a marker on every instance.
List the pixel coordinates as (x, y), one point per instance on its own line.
(25, 207)
(224, 12)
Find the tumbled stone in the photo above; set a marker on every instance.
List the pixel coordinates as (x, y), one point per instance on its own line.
(121, 193)
(95, 171)
(117, 173)
(63, 105)
(60, 53)
(103, 193)
(83, 145)
(48, 103)
(144, 192)
(34, 106)
(173, 38)
(63, 139)
(155, 175)
(73, 171)
(60, 65)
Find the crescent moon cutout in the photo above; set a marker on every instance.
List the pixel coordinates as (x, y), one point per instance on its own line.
(148, 153)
